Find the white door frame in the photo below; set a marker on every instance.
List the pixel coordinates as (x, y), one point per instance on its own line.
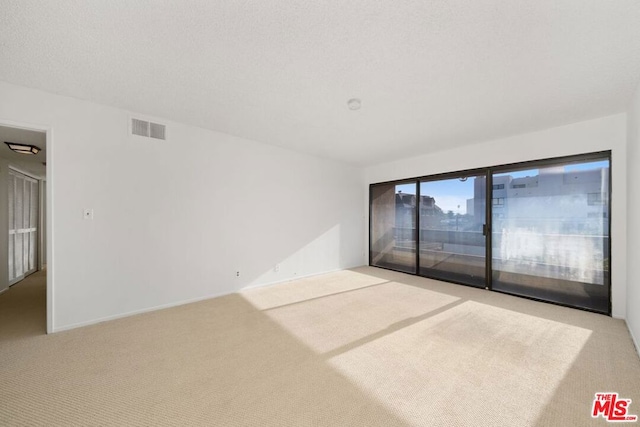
(49, 210)
(42, 249)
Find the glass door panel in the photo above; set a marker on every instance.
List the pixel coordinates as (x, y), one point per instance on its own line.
(452, 219)
(393, 226)
(550, 233)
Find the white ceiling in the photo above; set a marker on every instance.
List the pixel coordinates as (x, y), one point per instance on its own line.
(431, 74)
(33, 164)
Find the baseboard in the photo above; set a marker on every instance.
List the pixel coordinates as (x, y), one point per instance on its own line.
(275, 282)
(135, 312)
(4, 290)
(183, 302)
(633, 339)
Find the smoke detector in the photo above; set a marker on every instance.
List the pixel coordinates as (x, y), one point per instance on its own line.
(354, 104)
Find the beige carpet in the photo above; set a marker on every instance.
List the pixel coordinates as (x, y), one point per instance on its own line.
(365, 347)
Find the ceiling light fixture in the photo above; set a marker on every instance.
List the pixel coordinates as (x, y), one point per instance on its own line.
(354, 104)
(23, 148)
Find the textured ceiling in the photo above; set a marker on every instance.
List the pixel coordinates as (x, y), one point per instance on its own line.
(431, 74)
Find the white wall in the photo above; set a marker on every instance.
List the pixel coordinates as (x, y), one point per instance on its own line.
(174, 220)
(607, 133)
(633, 223)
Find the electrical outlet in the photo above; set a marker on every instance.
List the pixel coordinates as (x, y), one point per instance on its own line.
(87, 213)
(238, 273)
(276, 268)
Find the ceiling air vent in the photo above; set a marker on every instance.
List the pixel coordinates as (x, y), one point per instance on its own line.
(148, 129)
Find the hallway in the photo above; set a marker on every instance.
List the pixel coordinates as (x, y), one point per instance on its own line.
(23, 308)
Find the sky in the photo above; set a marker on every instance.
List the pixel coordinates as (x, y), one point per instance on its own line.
(449, 194)
(452, 194)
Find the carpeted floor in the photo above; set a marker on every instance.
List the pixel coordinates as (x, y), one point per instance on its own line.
(364, 347)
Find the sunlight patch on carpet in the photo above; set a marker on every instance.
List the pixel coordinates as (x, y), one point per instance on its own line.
(301, 290)
(502, 364)
(328, 323)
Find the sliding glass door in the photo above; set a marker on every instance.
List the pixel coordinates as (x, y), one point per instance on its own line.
(452, 224)
(550, 237)
(393, 226)
(537, 229)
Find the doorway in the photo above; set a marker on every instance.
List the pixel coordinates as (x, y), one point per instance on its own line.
(22, 209)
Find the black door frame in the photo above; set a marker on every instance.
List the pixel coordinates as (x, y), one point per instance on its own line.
(488, 172)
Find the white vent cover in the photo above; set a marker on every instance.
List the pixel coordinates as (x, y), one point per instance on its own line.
(148, 129)
(156, 130)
